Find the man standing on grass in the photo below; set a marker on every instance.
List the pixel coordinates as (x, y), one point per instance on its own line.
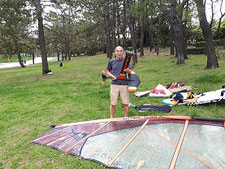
(119, 87)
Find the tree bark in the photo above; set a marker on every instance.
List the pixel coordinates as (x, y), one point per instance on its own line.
(178, 33)
(114, 24)
(142, 31)
(41, 35)
(18, 54)
(58, 55)
(171, 41)
(33, 57)
(118, 23)
(68, 38)
(184, 41)
(212, 61)
(133, 33)
(20, 60)
(108, 31)
(124, 24)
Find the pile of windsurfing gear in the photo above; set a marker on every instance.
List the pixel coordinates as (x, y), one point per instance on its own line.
(178, 87)
(143, 141)
(189, 98)
(159, 91)
(150, 107)
(133, 79)
(165, 91)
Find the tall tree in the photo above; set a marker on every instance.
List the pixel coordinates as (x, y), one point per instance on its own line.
(212, 61)
(142, 25)
(41, 35)
(176, 21)
(171, 41)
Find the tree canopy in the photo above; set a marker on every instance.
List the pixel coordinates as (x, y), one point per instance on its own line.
(86, 27)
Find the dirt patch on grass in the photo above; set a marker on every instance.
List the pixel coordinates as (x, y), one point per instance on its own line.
(35, 78)
(75, 75)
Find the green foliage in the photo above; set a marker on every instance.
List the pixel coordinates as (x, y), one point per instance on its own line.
(130, 48)
(222, 29)
(196, 34)
(14, 17)
(199, 50)
(200, 44)
(219, 42)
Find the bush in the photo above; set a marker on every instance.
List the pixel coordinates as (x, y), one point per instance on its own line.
(196, 51)
(219, 42)
(200, 44)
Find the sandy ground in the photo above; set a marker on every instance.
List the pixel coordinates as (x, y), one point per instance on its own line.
(29, 62)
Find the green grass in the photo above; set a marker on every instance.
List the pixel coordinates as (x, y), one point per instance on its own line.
(30, 103)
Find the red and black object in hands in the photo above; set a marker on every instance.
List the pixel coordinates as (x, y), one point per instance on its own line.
(126, 64)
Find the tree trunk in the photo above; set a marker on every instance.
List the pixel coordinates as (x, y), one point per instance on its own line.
(157, 46)
(33, 57)
(185, 41)
(158, 36)
(118, 23)
(41, 35)
(67, 46)
(124, 24)
(142, 30)
(171, 41)
(20, 61)
(212, 61)
(113, 26)
(18, 53)
(142, 38)
(62, 56)
(108, 32)
(185, 32)
(151, 40)
(109, 43)
(132, 28)
(178, 34)
(133, 42)
(58, 55)
(68, 38)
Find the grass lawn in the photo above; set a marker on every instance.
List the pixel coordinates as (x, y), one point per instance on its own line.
(30, 103)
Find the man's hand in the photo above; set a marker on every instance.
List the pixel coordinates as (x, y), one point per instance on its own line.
(127, 70)
(114, 78)
(110, 75)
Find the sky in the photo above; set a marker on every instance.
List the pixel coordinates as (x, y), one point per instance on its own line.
(216, 9)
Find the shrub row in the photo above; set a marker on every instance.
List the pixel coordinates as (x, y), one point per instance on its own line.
(218, 42)
(200, 50)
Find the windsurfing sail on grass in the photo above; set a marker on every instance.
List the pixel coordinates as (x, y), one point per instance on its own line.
(143, 141)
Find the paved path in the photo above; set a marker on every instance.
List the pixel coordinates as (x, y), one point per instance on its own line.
(29, 62)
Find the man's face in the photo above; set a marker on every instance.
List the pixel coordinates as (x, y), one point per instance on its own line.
(119, 52)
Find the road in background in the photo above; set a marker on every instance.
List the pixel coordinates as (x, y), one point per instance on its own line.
(29, 62)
